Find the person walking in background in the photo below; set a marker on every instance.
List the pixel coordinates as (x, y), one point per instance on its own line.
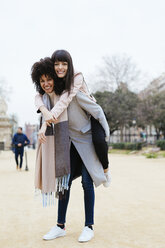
(19, 141)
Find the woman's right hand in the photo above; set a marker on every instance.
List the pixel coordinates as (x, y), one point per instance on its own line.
(48, 116)
(41, 133)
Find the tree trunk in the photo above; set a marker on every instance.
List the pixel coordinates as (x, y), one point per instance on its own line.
(121, 134)
(157, 134)
(164, 134)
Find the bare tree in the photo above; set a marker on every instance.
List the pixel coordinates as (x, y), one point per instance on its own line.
(5, 90)
(116, 70)
(14, 122)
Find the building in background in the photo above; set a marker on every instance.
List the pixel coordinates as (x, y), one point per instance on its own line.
(5, 127)
(31, 131)
(156, 86)
(9, 125)
(14, 123)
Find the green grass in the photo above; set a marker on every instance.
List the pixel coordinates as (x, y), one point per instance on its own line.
(163, 154)
(151, 155)
(160, 154)
(118, 151)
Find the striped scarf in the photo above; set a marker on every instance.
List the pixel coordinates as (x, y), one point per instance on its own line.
(52, 169)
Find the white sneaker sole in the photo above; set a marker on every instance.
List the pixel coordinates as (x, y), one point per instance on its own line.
(84, 241)
(54, 237)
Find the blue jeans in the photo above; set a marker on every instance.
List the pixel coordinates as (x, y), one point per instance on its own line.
(19, 152)
(87, 184)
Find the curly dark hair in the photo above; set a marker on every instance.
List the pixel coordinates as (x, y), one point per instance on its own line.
(65, 83)
(43, 67)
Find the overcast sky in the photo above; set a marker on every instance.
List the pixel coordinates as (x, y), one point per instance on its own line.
(88, 29)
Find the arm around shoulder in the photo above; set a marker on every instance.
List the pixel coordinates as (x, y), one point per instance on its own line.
(66, 98)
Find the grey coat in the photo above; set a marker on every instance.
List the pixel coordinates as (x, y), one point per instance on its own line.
(79, 112)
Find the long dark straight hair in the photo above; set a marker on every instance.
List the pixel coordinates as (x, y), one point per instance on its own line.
(65, 83)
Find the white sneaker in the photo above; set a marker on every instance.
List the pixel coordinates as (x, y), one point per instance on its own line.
(108, 177)
(54, 233)
(86, 235)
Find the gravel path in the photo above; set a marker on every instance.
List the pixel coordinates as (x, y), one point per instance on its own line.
(129, 214)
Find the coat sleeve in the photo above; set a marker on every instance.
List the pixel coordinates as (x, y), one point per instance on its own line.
(64, 99)
(38, 101)
(95, 110)
(27, 140)
(14, 140)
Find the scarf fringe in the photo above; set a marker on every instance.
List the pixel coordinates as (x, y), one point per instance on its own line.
(49, 199)
(62, 184)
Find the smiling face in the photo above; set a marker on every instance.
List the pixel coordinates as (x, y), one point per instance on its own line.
(47, 83)
(61, 68)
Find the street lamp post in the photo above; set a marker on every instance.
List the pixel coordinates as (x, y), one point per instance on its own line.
(134, 124)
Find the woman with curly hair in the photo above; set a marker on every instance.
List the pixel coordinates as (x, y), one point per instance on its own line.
(67, 87)
(62, 153)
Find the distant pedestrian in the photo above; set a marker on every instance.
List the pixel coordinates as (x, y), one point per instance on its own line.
(19, 141)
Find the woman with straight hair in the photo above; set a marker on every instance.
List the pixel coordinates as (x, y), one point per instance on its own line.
(62, 153)
(74, 82)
